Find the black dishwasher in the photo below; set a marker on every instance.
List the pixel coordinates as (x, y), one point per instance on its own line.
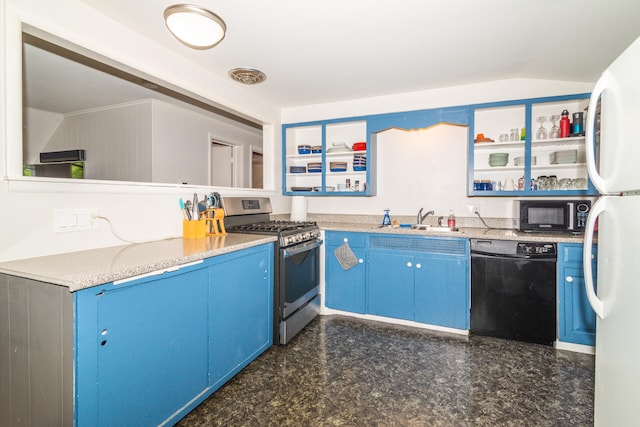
(513, 290)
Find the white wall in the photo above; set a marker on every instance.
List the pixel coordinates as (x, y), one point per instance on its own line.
(39, 127)
(151, 212)
(137, 212)
(182, 143)
(425, 168)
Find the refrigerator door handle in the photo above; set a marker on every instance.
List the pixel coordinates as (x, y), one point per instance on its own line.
(594, 301)
(598, 89)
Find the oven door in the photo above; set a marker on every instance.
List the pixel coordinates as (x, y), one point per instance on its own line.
(299, 275)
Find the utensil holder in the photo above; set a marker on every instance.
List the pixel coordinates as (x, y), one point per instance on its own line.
(194, 229)
(214, 218)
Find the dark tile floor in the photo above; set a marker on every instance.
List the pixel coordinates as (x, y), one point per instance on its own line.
(342, 371)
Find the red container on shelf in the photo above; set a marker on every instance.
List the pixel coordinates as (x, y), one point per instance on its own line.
(359, 146)
(564, 124)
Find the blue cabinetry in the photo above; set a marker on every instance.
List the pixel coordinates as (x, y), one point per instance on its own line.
(241, 312)
(345, 289)
(328, 161)
(442, 290)
(528, 157)
(577, 321)
(390, 289)
(149, 350)
(422, 279)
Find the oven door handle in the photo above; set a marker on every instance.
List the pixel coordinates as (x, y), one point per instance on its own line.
(303, 247)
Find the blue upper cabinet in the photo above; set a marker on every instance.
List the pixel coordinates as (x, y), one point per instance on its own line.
(535, 162)
(338, 157)
(333, 157)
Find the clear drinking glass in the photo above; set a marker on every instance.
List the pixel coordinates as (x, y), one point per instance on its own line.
(554, 133)
(541, 133)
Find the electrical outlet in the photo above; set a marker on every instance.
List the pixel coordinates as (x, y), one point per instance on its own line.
(473, 209)
(65, 220)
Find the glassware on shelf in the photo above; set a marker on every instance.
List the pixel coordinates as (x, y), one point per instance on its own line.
(554, 133)
(541, 133)
(515, 135)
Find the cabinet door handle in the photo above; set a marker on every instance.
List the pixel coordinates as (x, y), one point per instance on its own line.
(360, 260)
(409, 264)
(346, 240)
(569, 279)
(418, 265)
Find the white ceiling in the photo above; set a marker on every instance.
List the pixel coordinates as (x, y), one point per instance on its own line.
(316, 51)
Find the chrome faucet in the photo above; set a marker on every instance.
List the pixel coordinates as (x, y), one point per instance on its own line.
(421, 217)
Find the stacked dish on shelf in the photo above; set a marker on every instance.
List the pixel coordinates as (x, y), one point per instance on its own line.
(563, 157)
(297, 169)
(304, 149)
(519, 161)
(498, 159)
(359, 162)
(314, 167)
(338, 166)
(339, 147)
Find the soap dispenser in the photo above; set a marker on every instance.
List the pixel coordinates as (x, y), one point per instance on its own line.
(451, 221)
(386, 219)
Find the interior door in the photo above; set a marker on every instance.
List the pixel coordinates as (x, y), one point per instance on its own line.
(222, 165)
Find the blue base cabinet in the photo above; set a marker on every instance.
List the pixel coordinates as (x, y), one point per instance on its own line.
(148, 351)
(422, 279)
(442, 291)
(345, 289)
(577, 320)
(390, 289)
(241, 313)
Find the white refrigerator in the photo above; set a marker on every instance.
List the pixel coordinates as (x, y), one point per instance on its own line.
(615, 171)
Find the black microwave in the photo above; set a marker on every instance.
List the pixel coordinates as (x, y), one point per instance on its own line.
(552, 215)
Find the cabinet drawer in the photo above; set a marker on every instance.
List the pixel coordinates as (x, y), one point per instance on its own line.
(572, 253)
(337, 238)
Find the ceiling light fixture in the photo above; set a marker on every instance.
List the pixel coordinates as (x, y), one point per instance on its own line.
(194, 26)
(248, 76)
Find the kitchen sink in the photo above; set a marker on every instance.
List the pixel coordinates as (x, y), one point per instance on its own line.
(435, 228)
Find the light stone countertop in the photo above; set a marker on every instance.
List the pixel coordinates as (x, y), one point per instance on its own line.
(84, 269)
(464, 233)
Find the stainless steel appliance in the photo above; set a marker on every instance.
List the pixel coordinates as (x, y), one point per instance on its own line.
(552, 215)
(513, 290)
(297, 262)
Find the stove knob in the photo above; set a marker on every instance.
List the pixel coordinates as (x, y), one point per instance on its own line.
(290, 240)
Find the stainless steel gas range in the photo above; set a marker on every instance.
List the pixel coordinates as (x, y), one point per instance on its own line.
(296, 262)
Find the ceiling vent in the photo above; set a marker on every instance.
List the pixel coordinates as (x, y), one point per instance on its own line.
(248, 76)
